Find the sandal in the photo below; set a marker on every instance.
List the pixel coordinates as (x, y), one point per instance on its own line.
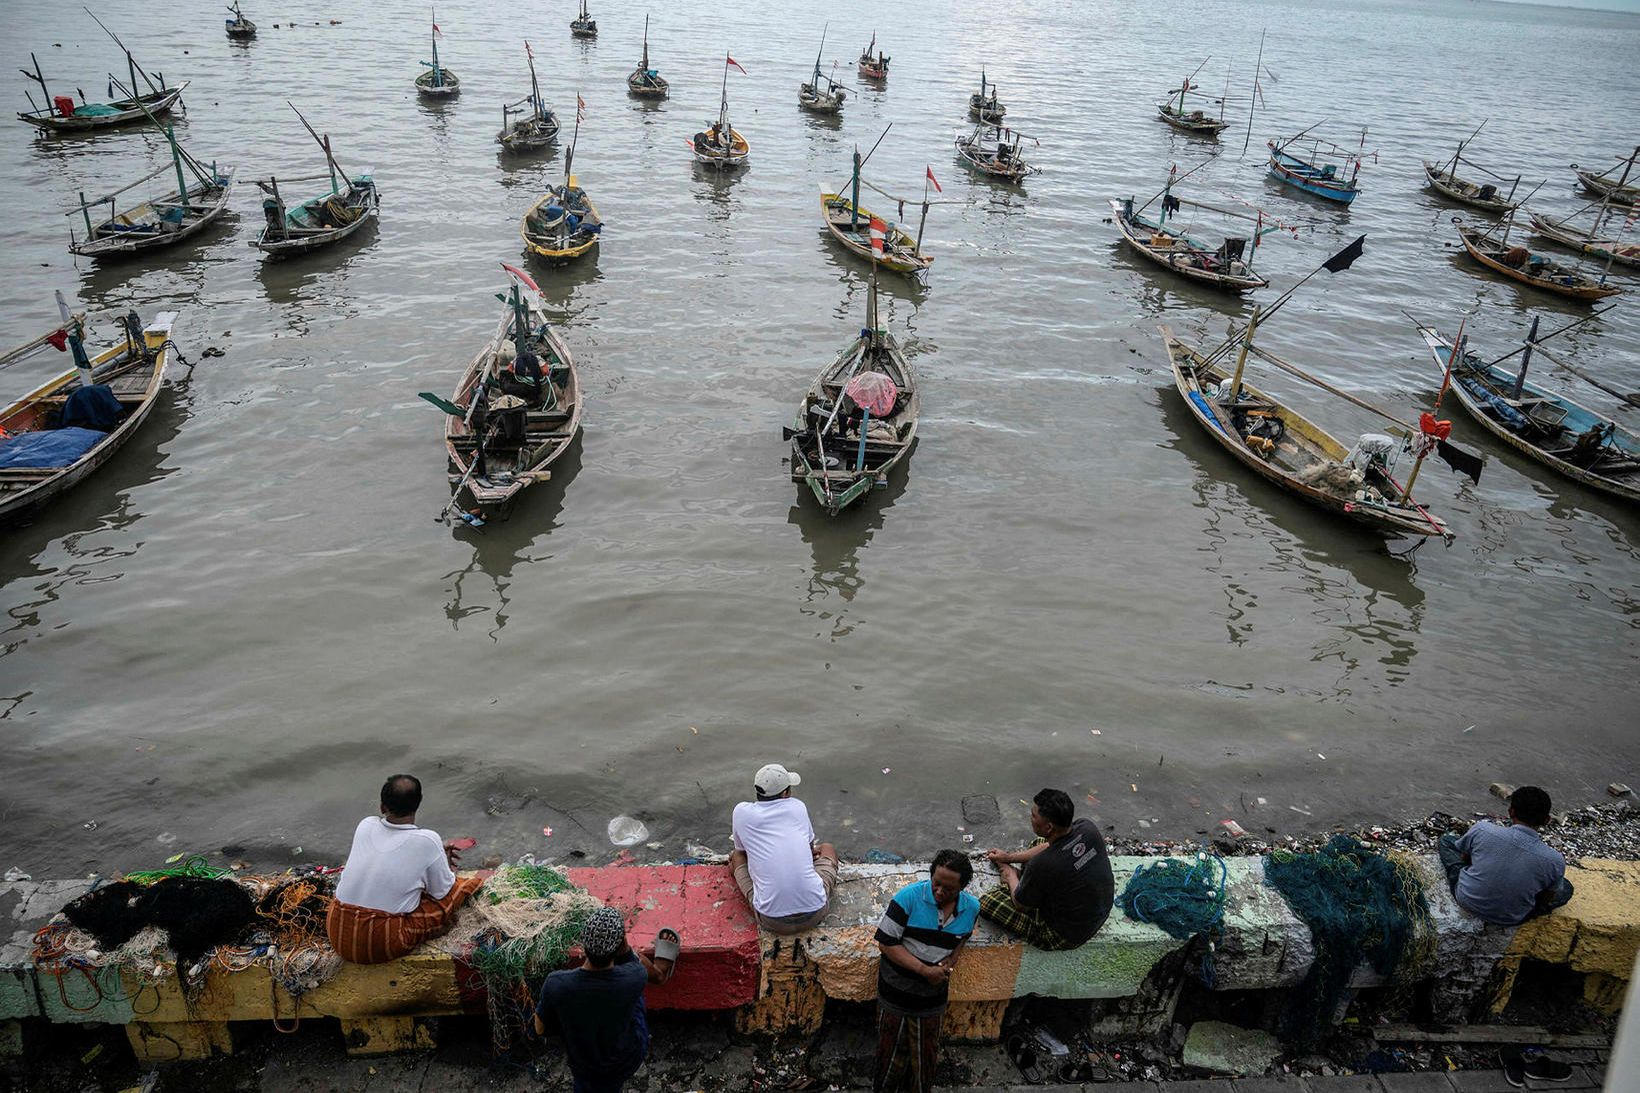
(1024, 1057)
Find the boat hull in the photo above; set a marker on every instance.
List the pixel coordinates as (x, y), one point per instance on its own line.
(899, 247)
(1627, 254)
(1465, 193)
(1303, 176)
(158, 104)
(647, 87)
(837, 488)
(363, 196)
(1550, 276)
(1603, 187)
(559, 252)
(972, 154)
(1179, 261)
(111, 243)
(1196, 126)
(448, 88)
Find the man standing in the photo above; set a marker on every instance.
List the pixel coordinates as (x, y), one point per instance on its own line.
(599, 1006)
(1506, 875)
(1065, 891)
(399, 887)
(920, 935)
(784, 874)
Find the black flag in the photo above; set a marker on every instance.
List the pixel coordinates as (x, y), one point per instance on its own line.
(1459, 460)
(1344, 258)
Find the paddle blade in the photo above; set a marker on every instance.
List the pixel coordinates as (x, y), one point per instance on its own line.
(443, 404)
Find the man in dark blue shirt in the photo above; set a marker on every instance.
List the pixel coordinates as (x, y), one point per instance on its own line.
(599, 1006)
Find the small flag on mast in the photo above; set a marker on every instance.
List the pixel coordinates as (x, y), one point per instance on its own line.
(437, 33)
(580, 108)
(1346, 257)
(937, 187)
(736, 63)
(878, 229)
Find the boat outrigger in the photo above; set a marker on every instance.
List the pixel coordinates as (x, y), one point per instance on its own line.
(821, 94)
(437, 82)
(1229, 265)
(564, 224)
(351, 202)
(1318, 167)
(721, 146)
(56, 435)
(645, 82)
(535, 126)
(858, 420)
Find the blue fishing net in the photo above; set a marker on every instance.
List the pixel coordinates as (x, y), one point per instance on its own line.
(1185, 897)
(1359, 906)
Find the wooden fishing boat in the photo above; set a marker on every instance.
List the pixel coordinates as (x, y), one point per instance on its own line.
(1221, 267)
(1563, 435)
(61, 115)
(1293, 453)
(1522, 265)
(1483, 196)
(1617, 192)
(437, 82)
(501, 443)
(39, 459)
(721, 146)
(536, 125)
(158, 222)
(239, 28)
(821, 94)
(1195, 122)
(1586, 240)
(873, 67)
(330, 217)
(1319, 169)
(564, 224)
(583, 25)
(839, 454)
(850, 225)
(994, 152)
(983, 105)
(645, 82)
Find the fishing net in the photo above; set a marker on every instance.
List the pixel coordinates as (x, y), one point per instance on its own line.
(1360, 907)
(523, 925)
(1184, 897)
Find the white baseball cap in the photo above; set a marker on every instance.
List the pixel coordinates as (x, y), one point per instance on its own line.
(773, 779)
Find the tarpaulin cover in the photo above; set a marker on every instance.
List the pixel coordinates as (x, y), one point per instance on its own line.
(94, 407)
(49, 447)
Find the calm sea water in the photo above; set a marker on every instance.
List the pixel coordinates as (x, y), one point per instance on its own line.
(229, 635)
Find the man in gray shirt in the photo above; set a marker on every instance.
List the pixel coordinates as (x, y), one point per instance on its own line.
(1507, 875)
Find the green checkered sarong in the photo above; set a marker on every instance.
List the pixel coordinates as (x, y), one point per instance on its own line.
(999, 906)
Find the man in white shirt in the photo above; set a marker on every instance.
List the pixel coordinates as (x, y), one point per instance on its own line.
(784, 874)
(399, 887)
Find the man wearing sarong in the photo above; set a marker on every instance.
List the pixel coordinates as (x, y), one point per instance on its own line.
(1064, 892)
(920, 935)
(399, 886)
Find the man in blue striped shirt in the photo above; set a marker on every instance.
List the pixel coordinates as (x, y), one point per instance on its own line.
(920, 935)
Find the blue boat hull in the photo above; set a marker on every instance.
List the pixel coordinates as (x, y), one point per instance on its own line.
(1312, 180)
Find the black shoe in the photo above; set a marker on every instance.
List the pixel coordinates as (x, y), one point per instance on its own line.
(1544, 1069)
(1514, 1071)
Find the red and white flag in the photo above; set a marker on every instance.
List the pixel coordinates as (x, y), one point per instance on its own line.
(690, 143)
(736, 64)
(580, 108)
(878, 230)
(528, 281)
(937, 187)
(437, 33)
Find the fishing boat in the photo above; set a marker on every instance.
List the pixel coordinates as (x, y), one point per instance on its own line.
(858, 229)
(645, 82)
(53, 437)
(1522, 265)
(983, 105)
(239, 28)
(536, 126)
(1618, 191)
(1196, 122)
(1592, 240)
(437, 82)
(1318, 167)
(1227, 266)
(994, 152)
(564, 224)
(1292, 452)
(858, 420)
(1561, 434)
(62, 115)
(583, 25)
(821, 94)
(721, 146)
(507, 426)
(1444, 178)
(873, 67)
(349, 204)
(159, 221)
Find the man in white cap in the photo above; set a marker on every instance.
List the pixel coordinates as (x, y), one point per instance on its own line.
(784, 874)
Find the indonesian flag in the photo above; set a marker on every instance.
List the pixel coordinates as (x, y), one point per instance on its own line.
(580, 108)
(437, 33)
(58, 340)
(878, 230)
(736, 64)
(528, 281)
(937, 187)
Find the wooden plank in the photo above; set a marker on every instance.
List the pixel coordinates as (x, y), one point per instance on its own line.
(1489, 1034)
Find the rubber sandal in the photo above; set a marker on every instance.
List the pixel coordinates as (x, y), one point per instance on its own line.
(1024, 1057)
(667, 944)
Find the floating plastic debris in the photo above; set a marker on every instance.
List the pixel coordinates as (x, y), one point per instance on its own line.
(626, 831)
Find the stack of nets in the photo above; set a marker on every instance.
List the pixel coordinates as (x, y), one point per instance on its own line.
(1359, 906)
(289, 933)
(1183, 897)
(521, 925)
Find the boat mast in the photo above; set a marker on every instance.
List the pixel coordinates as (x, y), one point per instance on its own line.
(76, 341)
(645, 65)
(1605, 201)
(818, 54)
(1453, 170)
(854, 200)
(723, 110)
(1525, 359)
(569, 157)
(324, 143)
(1252, 99)
(535, 88)
(1241, 355)
(438, 73)
(1167, 192)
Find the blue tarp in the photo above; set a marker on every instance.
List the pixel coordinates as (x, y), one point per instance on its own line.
(49, 447)
(94, 407)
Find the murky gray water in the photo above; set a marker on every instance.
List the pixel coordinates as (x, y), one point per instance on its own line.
(230, 634)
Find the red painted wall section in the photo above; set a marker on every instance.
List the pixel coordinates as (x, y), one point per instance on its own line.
(718, 968)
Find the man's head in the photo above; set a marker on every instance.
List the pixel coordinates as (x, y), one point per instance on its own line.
(949, 875)
(774, 780)
(401, 795)
(1529, 805)
(603, 937)
(1051, 812)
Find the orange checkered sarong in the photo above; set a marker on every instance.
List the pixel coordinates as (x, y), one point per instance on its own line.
(364, 935)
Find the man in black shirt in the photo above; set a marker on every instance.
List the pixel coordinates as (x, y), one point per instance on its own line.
(1064, 891)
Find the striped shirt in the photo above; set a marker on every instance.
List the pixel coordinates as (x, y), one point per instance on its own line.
(913, 920)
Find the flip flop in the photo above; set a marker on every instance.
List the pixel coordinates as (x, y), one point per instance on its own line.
(1024, 1057)
(668, 944)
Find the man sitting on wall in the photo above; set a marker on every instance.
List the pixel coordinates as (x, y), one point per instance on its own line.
(1064, 892)
(398, 888)
(1507, 875)
(784, 874)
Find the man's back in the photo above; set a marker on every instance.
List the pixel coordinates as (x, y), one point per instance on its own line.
(1509, 867)
(778, 840)
(391, 865)
(600, 1014)
(1071, 883)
